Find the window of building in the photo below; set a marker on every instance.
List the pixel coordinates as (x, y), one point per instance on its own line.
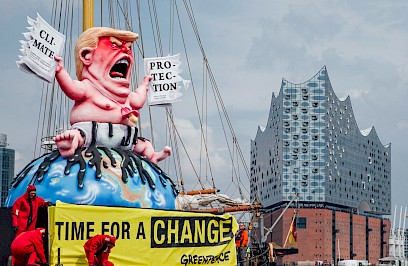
(305, 143)
(301, 222)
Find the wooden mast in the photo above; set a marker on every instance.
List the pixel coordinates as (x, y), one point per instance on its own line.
(87, 14)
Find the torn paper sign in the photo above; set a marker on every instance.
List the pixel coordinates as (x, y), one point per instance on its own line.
(164, 88)
(41, 44)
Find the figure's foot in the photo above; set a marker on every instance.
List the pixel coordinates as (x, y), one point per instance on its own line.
(145, 148)
(68, 141)
(161, 155)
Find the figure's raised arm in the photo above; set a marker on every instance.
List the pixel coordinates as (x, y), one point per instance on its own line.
(74, 89)
(138, 98)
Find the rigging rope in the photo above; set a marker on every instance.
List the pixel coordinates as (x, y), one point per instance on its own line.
(194, 92)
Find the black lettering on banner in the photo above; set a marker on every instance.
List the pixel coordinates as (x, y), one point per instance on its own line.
(168, 232)
(75, 230)
(141, 231)
(89, 229)
(120, 231)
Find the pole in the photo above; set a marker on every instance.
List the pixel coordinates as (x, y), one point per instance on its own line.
(269, 230)
(399, 235)
(261, 226)
(338, 246)
(87, 14)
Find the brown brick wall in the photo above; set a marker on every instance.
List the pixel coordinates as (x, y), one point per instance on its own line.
(315, 241)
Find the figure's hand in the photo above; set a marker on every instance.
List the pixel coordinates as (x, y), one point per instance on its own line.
(15, 229)
(60, 66)
(146, 80)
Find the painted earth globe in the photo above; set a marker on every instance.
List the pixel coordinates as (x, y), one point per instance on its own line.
(97, 176)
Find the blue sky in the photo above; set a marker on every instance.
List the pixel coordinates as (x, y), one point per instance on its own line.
(251, 46)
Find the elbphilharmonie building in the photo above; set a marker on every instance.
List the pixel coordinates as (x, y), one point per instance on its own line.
(312, 145)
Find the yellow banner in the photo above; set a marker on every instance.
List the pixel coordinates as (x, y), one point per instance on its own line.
(144, 236)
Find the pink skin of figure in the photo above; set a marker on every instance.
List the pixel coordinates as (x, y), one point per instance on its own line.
(102, 94)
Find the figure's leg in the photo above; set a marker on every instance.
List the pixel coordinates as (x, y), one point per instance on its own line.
(32, 259)
(145, 148)
(17, 261)
(98, 260)
(19, 256)
(68, 141)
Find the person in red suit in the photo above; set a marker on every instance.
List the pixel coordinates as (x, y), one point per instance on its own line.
(25, 210)
(27, 248)
(98, 248)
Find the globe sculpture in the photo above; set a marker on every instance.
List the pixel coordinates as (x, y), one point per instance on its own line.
(97, 176)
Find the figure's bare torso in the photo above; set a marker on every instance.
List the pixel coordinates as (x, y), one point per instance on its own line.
(97, 107)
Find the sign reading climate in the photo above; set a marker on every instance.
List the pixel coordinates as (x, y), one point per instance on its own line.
(144, 236)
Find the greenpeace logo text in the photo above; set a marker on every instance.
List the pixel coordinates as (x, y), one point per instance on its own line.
(208, 259)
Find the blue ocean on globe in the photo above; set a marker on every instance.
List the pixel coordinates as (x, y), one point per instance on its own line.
(104, 177)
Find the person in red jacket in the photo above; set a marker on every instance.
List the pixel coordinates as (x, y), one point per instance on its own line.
(25, 210)
(241, 243)
(27, 248)
(97, 250)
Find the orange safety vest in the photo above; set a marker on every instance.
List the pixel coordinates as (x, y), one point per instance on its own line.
(241, 238)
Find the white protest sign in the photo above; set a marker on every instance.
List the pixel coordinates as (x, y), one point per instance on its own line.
(164, 88)
(42, 43)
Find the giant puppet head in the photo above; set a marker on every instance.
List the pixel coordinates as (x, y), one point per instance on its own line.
(105, 55)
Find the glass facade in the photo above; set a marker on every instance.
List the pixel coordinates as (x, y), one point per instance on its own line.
(312, 145)
(6, 168)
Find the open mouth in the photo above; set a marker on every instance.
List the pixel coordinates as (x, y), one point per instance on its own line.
(119, 69)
